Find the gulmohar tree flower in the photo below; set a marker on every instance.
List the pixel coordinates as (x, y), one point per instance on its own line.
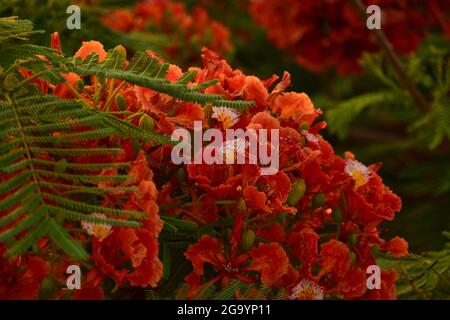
(310, 230)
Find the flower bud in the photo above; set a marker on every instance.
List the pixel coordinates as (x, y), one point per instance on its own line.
(121, 103)
(303, 126)
(375, 250)
(248, 239)
(146, 122)
(281, 217)
(352, 240)
(121, 50)
(319, 200)
(297, 192)
(181, 176)
(241, 205)
(353, 257)
(337, 214)
(48, 287)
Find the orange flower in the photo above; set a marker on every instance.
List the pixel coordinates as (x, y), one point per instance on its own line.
(20, 277)
(89, 47)
(397, 246)
(120, 20)
(136, 247)
(271, 261)
(304, 246)
(295, 106)
(255, 90)
(254, 198)
(335, 257)
(388, 289)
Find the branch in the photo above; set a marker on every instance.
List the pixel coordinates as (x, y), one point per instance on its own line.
(395, 61)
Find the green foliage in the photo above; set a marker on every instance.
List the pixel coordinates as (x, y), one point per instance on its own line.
(424, 276)
(430, 69)
(26, 176)
(11, 28)
(340, 117)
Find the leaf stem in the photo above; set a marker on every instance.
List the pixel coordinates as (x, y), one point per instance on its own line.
(395, 61)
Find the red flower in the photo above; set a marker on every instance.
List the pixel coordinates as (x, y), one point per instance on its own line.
(335, 257)
(295, 106)
(320, 34)
(397, 246)
(255, 199)
(269, 260)
(304, 245)
(90, 47)
(353, 284)
(136, 247)
(388, 289)
(192, 29)
(273, 233)
(21, 277)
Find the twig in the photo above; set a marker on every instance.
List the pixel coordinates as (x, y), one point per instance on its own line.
(395, 61)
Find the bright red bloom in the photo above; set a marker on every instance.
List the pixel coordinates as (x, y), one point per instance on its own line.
(91, 285)
(255, 199)
(295, 106)
(353, 284)
(273, 233)
(21, 277)
(320, 34)
(136, 247)
(269, 260)
(388, 289)
(397, 246)
(304, 246)
(335, 257)
(90, 47)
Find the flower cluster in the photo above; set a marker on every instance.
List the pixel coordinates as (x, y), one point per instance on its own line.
(311, 229)
(331, 33)
(187, 31)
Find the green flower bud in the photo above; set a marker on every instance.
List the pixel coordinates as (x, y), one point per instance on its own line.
(337, 214)
(121, 103)
(297, 192)
(121, 50)
(241, 205)
(248, 239)
(281, 217)
(303, 141)
(375, 250)
(352, 240)
(48, 288)
(303, 126)
(181, 176)
(146, 122)
(319, 200)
